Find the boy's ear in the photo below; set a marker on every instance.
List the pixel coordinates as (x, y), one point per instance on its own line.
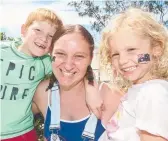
(157, 51)
(23, 30)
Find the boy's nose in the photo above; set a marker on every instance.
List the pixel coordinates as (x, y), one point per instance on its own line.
(44, 39)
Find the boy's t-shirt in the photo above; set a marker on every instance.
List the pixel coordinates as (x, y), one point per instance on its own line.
(20, 75)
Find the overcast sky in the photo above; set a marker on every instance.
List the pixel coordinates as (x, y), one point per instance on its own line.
(14, 12)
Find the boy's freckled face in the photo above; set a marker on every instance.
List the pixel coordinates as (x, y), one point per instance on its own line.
(125, 47)
(38, 37)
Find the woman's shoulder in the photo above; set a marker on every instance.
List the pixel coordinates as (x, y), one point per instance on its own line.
(41, 89)
(109, 88)
(43, 84)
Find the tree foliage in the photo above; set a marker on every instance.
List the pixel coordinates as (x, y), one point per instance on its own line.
(102, 11)
(2, 36)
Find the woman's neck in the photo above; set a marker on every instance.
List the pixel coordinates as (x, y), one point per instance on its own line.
(74, 91)
(73, 103)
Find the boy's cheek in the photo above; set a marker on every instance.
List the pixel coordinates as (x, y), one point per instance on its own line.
(50, 50)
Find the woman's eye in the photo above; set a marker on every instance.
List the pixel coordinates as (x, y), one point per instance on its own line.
(79, 56)
(60, 53)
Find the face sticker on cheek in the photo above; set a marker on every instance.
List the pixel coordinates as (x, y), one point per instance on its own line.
(143, 58)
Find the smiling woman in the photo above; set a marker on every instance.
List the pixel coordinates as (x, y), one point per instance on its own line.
(70, 51)
(72, 55)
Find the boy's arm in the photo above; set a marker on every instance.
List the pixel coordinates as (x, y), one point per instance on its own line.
(46, 60)
(41, 98)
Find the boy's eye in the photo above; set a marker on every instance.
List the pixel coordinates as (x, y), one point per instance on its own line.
(37, 29)
(50, 36)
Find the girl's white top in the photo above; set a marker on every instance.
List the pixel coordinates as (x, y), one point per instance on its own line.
(144, 107)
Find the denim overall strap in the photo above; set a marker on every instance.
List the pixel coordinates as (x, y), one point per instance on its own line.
(90, 128)
(55, 112)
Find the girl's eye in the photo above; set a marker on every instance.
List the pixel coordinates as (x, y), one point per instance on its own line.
(130, 49)
(114, 55)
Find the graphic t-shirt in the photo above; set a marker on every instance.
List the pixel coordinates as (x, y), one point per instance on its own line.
(144, 107)
(20, 75)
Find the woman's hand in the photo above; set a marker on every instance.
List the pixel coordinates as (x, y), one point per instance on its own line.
(93, 98)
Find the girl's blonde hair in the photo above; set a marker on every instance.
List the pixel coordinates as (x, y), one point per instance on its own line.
(144, 25)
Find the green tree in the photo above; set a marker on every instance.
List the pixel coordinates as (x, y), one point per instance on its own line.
(102, 11)
(2, 36)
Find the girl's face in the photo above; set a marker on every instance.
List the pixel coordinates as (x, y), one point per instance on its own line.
(72, 57)
(126, 47)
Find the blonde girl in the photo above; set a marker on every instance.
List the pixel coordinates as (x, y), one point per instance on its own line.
(135, 45)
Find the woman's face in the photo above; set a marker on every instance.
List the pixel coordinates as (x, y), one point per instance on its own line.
(72, 57)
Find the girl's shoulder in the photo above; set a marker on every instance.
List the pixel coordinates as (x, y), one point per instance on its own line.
(154, 89)
(156, 84)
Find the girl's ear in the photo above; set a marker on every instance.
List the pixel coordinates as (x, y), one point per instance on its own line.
(23, 30)
(157, 51)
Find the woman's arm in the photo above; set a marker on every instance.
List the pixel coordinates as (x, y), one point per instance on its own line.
(102, 102)
(111, 100)
(40, 99)
(93, 98)
(35, 109)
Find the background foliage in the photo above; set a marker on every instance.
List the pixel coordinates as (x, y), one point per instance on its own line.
(102, 11)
